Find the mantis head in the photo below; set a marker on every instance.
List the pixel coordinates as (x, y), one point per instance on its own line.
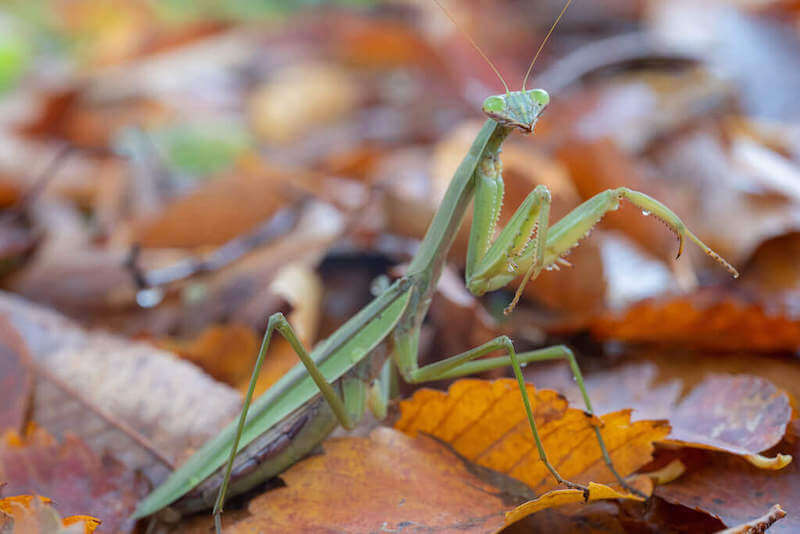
(517, 109)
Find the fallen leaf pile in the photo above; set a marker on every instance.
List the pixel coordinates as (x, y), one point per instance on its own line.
(174, 173)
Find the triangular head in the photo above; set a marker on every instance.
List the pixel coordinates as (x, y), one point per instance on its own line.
(517, 109)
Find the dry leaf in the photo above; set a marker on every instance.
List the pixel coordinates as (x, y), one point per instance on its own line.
(72, 475)
(16, 379)
(85, 385)
(562, 497)
(708, 319)
(229, 352)
(743, 415)
(731, 489)
(376, 483)
(301, 98)
(220, 210)
(739, 414)
(28, 513)
(760, 524)
(225, 352)
(485, 422)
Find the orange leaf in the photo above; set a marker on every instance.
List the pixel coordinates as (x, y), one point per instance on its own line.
(709, 318)
(226, 352)
(89, 523)
(485, 422)
(217, 212)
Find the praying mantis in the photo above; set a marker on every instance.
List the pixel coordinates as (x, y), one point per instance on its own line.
(348, 372)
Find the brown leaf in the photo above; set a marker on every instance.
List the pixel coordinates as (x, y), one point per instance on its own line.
(220, 210)
(731, 489)
(78, 481)
(739, 414)
(377, 483)
(85, 385)
(486, 423)
(743, 415)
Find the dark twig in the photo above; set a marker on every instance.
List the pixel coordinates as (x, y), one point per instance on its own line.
(278, 225)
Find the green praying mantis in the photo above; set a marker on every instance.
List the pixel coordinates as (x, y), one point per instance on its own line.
(349, 371)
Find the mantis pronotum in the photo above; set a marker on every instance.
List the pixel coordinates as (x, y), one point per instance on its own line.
(335, 382)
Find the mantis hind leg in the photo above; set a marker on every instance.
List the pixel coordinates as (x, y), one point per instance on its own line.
(278, 322)
(466, 363)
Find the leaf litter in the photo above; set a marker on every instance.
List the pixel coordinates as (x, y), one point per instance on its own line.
(183, 146)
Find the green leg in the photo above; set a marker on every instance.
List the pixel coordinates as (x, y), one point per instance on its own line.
(278, 322)
(464, 364)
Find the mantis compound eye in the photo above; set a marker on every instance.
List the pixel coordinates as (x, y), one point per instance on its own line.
(494, 104)
(539, 96)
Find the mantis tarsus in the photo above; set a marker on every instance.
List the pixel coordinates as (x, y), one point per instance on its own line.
(345, 373)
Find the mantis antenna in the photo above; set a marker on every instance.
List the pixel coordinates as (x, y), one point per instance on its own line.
(544, 41)
(474, 44)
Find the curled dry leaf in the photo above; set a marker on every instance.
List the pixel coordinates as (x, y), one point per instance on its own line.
(79, 481)
(128, 398)
(485, 422)
(735, 491)
(29, 513)
(561, 497)
(760, 524)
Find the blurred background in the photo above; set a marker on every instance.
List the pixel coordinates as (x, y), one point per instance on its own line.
(162, 162)
(176, 171)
